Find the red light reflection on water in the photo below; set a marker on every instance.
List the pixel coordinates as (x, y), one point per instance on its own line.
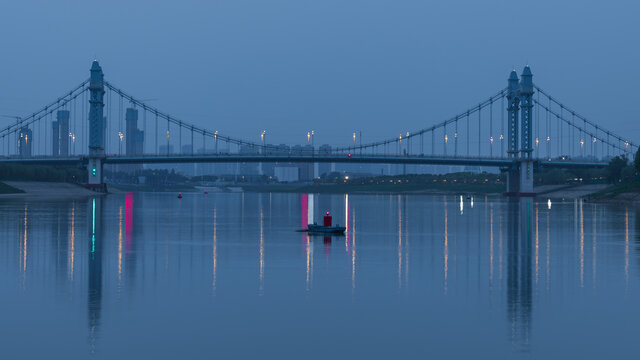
(305, 210)
(128, 220)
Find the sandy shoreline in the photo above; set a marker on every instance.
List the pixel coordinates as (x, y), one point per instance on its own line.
(43, 190)
(568, 191)
(61, 190)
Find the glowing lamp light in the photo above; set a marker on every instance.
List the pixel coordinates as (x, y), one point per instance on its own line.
(93, 171)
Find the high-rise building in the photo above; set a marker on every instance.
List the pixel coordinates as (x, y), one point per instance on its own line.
(305, 169)
(25, 139)
(60, 133)
(165, 149)
(134, 138)
(248, 168)
(55, 138)
(324, 168)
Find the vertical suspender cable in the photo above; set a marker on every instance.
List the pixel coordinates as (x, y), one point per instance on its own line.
(455, 139)
(468, 135)
(491, 127)
(479, 131)
(502, 109)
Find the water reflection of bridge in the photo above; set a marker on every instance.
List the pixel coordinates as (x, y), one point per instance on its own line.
(519, 270)
(523, 227)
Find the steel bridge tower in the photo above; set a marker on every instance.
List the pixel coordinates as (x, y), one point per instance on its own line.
(96, 128)
(520, 100)
(513, 100)
(526, 139)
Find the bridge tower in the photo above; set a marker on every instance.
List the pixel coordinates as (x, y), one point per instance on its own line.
(96, 128)
(526, 129)
(513, 99)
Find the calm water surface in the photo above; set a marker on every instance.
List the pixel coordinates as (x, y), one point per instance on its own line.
(226, 276)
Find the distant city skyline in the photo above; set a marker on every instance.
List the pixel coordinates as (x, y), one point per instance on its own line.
(379, 67)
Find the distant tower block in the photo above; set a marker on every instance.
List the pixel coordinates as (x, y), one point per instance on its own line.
(133, 138)
(24, 140)
(60, 134)
(55, 138)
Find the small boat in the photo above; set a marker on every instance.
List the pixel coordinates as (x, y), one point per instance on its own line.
(315, 228)
(326, 228)
(179, 195)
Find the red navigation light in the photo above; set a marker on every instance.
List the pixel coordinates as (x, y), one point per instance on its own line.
(349, 154)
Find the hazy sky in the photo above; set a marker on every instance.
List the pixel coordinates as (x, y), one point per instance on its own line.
(333, 66)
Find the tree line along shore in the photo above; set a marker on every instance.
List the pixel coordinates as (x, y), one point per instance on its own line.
(621, 176)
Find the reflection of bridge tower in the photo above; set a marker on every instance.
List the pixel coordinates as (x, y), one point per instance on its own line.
(519, 268)
(520, 98)
(96, 129)
(94, 298)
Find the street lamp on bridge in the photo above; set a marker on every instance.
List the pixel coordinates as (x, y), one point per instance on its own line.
(72, 136)
(121, 136)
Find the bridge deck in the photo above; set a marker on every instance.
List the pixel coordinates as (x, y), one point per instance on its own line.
(356, 159)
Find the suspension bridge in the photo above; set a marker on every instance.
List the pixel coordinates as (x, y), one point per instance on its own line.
(518, 129)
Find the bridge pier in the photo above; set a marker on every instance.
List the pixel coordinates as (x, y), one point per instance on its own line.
(94, 169)
(526, 179)
(513, 181)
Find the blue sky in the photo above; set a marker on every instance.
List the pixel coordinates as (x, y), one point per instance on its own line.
(290, 66)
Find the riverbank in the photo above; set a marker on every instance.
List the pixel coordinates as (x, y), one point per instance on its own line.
(43, 190)
(8, 189)
(548, 191)
(569, 191)
(377, 188)
(122, 188)
(58, 190)
(627, 193)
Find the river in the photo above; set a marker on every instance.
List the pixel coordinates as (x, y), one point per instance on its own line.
(226, 275)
